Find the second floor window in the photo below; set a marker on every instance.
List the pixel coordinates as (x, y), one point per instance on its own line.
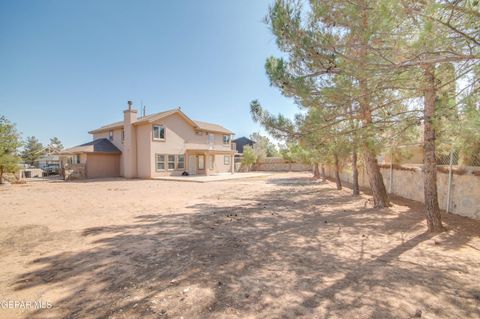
(226, 139)
(110, 135)
(123, 135)
(211, 138)
(158, 132)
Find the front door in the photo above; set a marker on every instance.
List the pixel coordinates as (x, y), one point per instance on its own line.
(192, 165)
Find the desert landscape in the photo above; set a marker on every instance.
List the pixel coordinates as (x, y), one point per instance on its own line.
(278, 246)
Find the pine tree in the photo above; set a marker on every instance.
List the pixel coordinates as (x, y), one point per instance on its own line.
(9, 143)
(331, 39)
(430, 44)
(55, 145)
(32, 150)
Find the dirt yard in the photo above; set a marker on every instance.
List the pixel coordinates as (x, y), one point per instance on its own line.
(283, 246)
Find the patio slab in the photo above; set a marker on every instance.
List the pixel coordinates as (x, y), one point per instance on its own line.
(212, 178)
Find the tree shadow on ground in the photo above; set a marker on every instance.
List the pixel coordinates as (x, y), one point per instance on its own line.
(296, 251)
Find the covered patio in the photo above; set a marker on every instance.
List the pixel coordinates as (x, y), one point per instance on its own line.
(205, 162)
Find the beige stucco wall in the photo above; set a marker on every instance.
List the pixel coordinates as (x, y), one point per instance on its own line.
(177, 133)
(219, 166)
(180, 135)
(102, 165)
(83, 158)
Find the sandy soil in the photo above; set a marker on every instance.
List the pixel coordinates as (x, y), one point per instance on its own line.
(283, 246)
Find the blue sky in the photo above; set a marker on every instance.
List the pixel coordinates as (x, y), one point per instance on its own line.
(67, 67)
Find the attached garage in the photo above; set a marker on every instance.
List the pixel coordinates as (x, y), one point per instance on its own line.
(96, 159)
(102, 165)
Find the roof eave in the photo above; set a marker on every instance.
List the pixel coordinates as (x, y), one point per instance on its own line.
(167, 114)
(216, 131)
(101, 130)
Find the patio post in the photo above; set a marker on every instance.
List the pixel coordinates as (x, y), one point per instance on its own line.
(206, 163)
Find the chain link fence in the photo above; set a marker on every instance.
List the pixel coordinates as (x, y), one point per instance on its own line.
(454, 158)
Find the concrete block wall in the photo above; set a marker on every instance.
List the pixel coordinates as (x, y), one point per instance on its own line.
(407, 182)
(276, 164)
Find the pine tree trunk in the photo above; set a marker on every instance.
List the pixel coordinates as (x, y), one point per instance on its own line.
(316, 171)
(337, 172)
(375, 179)
(1, 175)
(432, 211)
(324, 176)
(356, 188)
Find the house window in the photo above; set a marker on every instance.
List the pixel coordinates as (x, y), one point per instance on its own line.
(181, 162)
(201, 162)
(74, 159)
(212, 162)
(171, 162)
(158, 132)
(211, 138)
(110, 135)
(226, 160)
(123, 135)
(226, 139)
(160, 162)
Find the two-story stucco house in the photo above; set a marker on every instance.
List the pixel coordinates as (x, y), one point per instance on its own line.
(165, 143)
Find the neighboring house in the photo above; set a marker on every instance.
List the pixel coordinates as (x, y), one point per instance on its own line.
(165, 143)
(241, 142)
(48, 159)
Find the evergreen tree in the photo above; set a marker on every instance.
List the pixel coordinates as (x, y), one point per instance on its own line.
(384, 67)
(32, 150)
(437, 51)
(9, 143)
(332, 39)
(55, 145)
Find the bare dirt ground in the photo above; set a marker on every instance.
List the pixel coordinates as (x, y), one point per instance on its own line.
(283, 246)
